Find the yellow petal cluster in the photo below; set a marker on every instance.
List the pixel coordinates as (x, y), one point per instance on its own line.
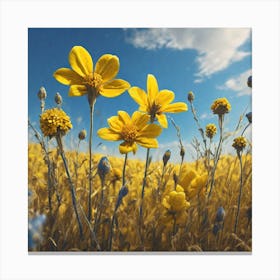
(132, 130)
(239, 143)
(221, 106)
(84, 78)
(52, 120)
(175, 201)
(193, 183)
(155, 103)
(210, 130)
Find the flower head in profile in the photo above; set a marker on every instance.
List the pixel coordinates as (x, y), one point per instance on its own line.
(103, 167)
(249, 117)
(132, 130)
(84, 78)
(82, 134)
(53, 121)
(210, 130)
(156, 103)
(239, 143)
(220, 106)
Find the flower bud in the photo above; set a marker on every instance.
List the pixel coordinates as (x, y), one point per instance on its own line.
(191, 96)
(166, 157)
(220, 215)
(249, 82)
(58, 98)
(216, 228)
(122, 193)
(42, 94)
(103, 167)
(182, 152)
(82, 134)
(249, 117)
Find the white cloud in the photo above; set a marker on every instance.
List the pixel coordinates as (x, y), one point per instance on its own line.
(217, 47)
(238, 84)
(79, 120)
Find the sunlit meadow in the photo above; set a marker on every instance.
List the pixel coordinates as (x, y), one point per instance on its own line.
(80, 199)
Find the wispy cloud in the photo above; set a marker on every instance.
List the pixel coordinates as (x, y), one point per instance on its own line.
(238, 84)
(217, 47)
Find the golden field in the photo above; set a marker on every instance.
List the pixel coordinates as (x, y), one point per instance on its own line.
(180, 219)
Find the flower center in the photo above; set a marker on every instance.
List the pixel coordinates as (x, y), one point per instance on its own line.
(154, 109)
(94, 80)
(129, 133)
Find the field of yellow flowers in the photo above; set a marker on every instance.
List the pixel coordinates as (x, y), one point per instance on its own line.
(89, 202)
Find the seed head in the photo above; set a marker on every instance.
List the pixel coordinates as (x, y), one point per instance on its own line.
(191, 96)
(239, 143)
(82, 134)
(220, 106)
(122, 193)
(210, 130)
(54, 120)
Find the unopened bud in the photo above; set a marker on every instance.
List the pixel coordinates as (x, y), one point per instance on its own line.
(82, 135)
(166, 157)
(182, 152)
(191, 96)
(42, 94)
(249, 82)
(58, 99)
(249, 117)
(103, 167)
(220, 215)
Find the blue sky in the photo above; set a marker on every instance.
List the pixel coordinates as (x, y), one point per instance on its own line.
(211, 62)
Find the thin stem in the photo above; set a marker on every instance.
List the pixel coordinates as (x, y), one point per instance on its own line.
(100, 207)
(90, 163)
(217, 155)
(72, 189)
(240, 192)
(174, 226)
(245, 129)
(116, 207)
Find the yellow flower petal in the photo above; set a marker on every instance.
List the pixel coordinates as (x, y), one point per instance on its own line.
(80, 61)
(77, 90)
(150, 131)
(175, 108)
(162, 120)
(187, 178)
(139, 96)
(108, 134)
(67, 77)
(147, 142)
(152, 88)
(115, 123)
(165, 97)
(140, 119)
(107, 66)
(124, 117)
(126, 147)
(114, 88)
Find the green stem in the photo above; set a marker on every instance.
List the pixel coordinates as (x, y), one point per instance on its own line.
(72, 189)
(90, 163)
(240, 193)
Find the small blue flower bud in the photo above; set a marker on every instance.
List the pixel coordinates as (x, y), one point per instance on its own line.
(220, 215)
(103, 167)
(249, 117)
(249, 82)
(216, 228)
(122, 193)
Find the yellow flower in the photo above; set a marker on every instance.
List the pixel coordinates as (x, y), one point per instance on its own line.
(133, 131)
(175, 201)
(52, 120)
(155, 103)
(83, 78)
(193, 183)
(221, 106)
(210, 130)
(239, 143)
